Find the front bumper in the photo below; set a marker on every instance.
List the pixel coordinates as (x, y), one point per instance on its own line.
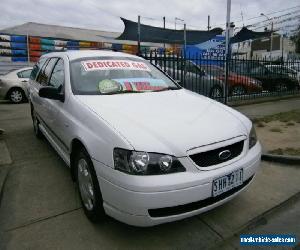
(130, 198)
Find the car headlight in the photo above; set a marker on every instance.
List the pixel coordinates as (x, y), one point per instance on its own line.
(252, 137)
(143, 163)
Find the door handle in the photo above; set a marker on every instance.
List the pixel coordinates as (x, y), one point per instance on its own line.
(24, 81)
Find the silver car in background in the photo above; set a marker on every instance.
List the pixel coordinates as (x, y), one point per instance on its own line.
(13, 85)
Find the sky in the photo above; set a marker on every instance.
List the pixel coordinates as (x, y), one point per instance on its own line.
(104, 15)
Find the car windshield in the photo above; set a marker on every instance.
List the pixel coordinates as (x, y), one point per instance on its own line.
(117, 75)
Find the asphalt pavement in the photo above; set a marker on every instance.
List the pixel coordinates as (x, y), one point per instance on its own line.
(40, 207)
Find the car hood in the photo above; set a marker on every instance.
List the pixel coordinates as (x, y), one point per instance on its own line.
(170, 122)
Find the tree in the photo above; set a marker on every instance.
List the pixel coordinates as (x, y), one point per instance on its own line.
(296, 39)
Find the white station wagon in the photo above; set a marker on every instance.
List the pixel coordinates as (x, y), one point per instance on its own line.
(142, 149)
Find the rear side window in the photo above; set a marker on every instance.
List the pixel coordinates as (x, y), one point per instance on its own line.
(36, 68)
(45, 72)
(24, 73)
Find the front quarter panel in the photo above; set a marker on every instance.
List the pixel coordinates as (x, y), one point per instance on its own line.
(98, 137)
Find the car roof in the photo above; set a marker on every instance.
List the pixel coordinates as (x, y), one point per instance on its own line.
(77, 54)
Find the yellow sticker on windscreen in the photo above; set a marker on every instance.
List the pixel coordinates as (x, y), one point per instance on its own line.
(109, 86)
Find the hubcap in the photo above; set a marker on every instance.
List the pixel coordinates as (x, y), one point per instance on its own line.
(16, 96)
(238, 90)
(281, 87)
(85, 183)
(216, 93)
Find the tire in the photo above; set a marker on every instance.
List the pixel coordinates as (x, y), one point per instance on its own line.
(35, 122)
(281, 87)
(88, 187)
(216, 92)
(16, 95)
(238, 90)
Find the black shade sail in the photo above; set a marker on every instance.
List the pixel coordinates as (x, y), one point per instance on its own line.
(245, 34)
(161, 35)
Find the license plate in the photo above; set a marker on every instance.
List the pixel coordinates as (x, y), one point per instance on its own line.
(227, 182)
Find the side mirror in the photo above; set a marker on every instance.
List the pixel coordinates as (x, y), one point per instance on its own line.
(52, 93)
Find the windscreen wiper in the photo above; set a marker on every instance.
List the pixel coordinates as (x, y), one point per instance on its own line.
(122, 92)
(167, 88)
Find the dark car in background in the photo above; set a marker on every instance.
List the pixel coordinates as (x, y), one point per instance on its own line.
(291, 72)
(272, 80)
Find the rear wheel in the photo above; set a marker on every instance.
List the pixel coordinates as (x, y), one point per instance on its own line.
(216, 92)
(88, 187)
(16, 95)
(281, 87)
(238, 90)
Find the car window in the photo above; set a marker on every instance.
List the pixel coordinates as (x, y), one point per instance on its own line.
(190, 67)
(24, 73)
(258, 70)
(36, 68)
(116, 75)
(45, 72)
(211, 70)
(57, 78)
(239, 67)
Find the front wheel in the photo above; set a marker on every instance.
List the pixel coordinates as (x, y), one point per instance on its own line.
(88, 186)
(16, 95)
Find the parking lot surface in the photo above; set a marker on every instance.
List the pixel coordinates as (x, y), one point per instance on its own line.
(40, 207)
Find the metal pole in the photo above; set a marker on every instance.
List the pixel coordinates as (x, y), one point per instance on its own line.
(139, 34)
(28, 55)
(271, 38)
(282, 40)
(208, 22)
(164, 19)
(175, 22)
(184, 36)
(227, 51)
(271, 42)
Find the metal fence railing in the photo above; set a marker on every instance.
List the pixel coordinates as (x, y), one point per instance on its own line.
(247, 79)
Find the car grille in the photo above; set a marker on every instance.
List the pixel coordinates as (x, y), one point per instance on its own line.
(209, 158)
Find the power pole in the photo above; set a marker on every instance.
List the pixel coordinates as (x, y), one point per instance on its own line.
(164, 19)
(139, 34)
(184, 36)
(208, 22)
(28, 48)
(271, 42)
(271, 37)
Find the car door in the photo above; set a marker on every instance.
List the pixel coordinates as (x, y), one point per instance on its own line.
(40, 104)
(23, 78)
(34, 84)
(55, 109)
(196, 79)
